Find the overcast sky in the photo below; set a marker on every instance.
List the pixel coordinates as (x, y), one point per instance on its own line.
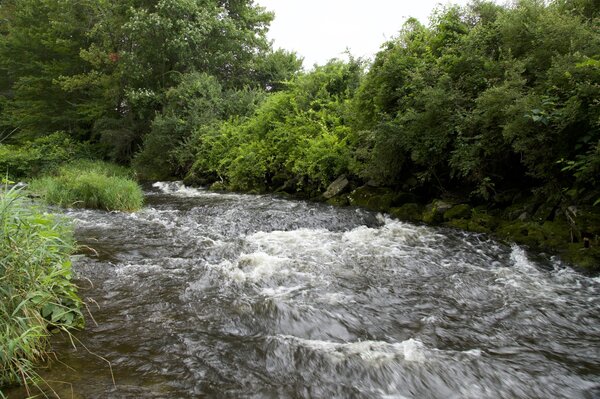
(320, 30)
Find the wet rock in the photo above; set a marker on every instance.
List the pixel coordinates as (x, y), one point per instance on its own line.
(374, 198)
(434, 212)
(411, 212)
(337, 187)
(523, 217)
(461, 211)
(341, 200)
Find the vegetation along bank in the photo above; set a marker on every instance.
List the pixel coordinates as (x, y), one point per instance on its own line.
(493, 108)
(486, 119)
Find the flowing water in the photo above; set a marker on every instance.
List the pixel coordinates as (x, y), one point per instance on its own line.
(236, 296)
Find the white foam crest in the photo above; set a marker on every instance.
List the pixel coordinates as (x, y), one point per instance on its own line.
(334, 298)
(156, 216)
(521, 262)
(280, 292)
(315, 242)
(178, 188)
(378, 352)
(411, 350)
(391, 236)
(255, 267)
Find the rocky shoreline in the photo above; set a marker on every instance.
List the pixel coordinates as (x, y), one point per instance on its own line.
(572, 233)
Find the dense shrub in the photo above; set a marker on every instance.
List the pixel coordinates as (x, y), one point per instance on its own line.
(90, 185)
(299, 134)
(488, 99)
(42, 155)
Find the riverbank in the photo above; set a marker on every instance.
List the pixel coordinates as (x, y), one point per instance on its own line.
(36, 291)
(204, 294)
(570, 232)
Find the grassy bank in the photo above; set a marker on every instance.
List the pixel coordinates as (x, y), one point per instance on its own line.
(90, 184)
(35, 286)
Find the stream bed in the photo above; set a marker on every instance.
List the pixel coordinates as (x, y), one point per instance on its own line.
(202, 294)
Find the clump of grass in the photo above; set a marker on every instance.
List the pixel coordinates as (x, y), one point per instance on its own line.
(91, 184)
(36, 291)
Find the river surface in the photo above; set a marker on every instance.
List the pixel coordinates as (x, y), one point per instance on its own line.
(236, 296)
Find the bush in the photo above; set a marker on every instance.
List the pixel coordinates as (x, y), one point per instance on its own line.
(35, 286)
(40, 156)
(89, 184)
(299, 135)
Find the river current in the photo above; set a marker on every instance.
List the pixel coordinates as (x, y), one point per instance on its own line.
(202, 294)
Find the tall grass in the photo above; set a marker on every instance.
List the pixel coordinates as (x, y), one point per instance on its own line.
(90, 184)
(36, 292)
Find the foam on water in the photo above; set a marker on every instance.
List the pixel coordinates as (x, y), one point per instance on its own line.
(227, 295)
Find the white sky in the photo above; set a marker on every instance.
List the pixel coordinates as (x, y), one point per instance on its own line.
(319, 30)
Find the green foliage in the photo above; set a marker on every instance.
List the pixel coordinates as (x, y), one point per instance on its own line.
(485, 100)
(102, 70)
(41, 155)
(299, 134)
(198, 100)
(35, 286)
(90, 185)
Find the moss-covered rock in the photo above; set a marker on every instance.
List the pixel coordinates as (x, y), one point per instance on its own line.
(411, 212)
(586, 258)
(547, 236)
(557, 235)
(461, 224)
(340, 200)
(524, 233)
(479, 222)
(374, 198)
(434, 212)
(484, 221)
(588, 221)
(218, 186)
(461, 211)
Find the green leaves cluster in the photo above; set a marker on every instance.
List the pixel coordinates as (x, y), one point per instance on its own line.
(102, 71)
(483, 101)
(488, 97)
(300, 134)
(42, 155)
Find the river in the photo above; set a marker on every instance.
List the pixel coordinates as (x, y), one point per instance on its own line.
(203, 294)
